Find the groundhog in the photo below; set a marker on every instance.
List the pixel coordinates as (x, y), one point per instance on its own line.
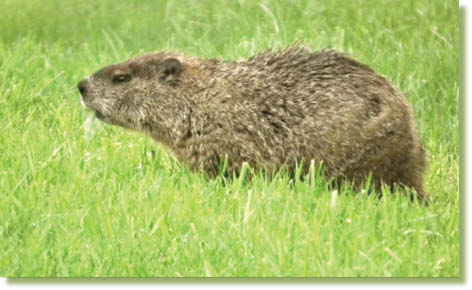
(275, 110)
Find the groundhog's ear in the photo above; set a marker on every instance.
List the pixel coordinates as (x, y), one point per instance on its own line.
(172, 66)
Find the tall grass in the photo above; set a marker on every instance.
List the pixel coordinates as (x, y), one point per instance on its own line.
(114, 203)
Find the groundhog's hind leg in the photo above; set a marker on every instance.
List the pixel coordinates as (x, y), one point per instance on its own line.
(422, 195)
(412, 178)
(411, 172)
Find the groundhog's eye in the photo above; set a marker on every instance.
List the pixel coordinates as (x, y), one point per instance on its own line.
(121, 78)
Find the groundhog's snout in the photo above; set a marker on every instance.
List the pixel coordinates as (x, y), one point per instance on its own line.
(84, 89)
(82, 86)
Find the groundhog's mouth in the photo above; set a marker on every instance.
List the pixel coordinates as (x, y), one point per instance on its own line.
(99, 115)
(89, 108)
(106, 119)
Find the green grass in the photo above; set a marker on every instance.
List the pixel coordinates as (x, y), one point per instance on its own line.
(117, 204)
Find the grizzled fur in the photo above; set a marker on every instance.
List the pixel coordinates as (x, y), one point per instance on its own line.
(275, 109)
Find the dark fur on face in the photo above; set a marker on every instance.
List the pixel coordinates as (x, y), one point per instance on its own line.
(275, 109)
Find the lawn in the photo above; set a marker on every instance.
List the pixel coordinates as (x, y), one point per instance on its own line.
(83, 199)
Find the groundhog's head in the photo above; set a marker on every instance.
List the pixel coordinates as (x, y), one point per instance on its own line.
(140, 94)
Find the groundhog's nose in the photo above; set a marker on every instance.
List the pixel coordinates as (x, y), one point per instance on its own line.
(82, 88)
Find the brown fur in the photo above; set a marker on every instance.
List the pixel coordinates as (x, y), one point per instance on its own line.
(275, 109)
